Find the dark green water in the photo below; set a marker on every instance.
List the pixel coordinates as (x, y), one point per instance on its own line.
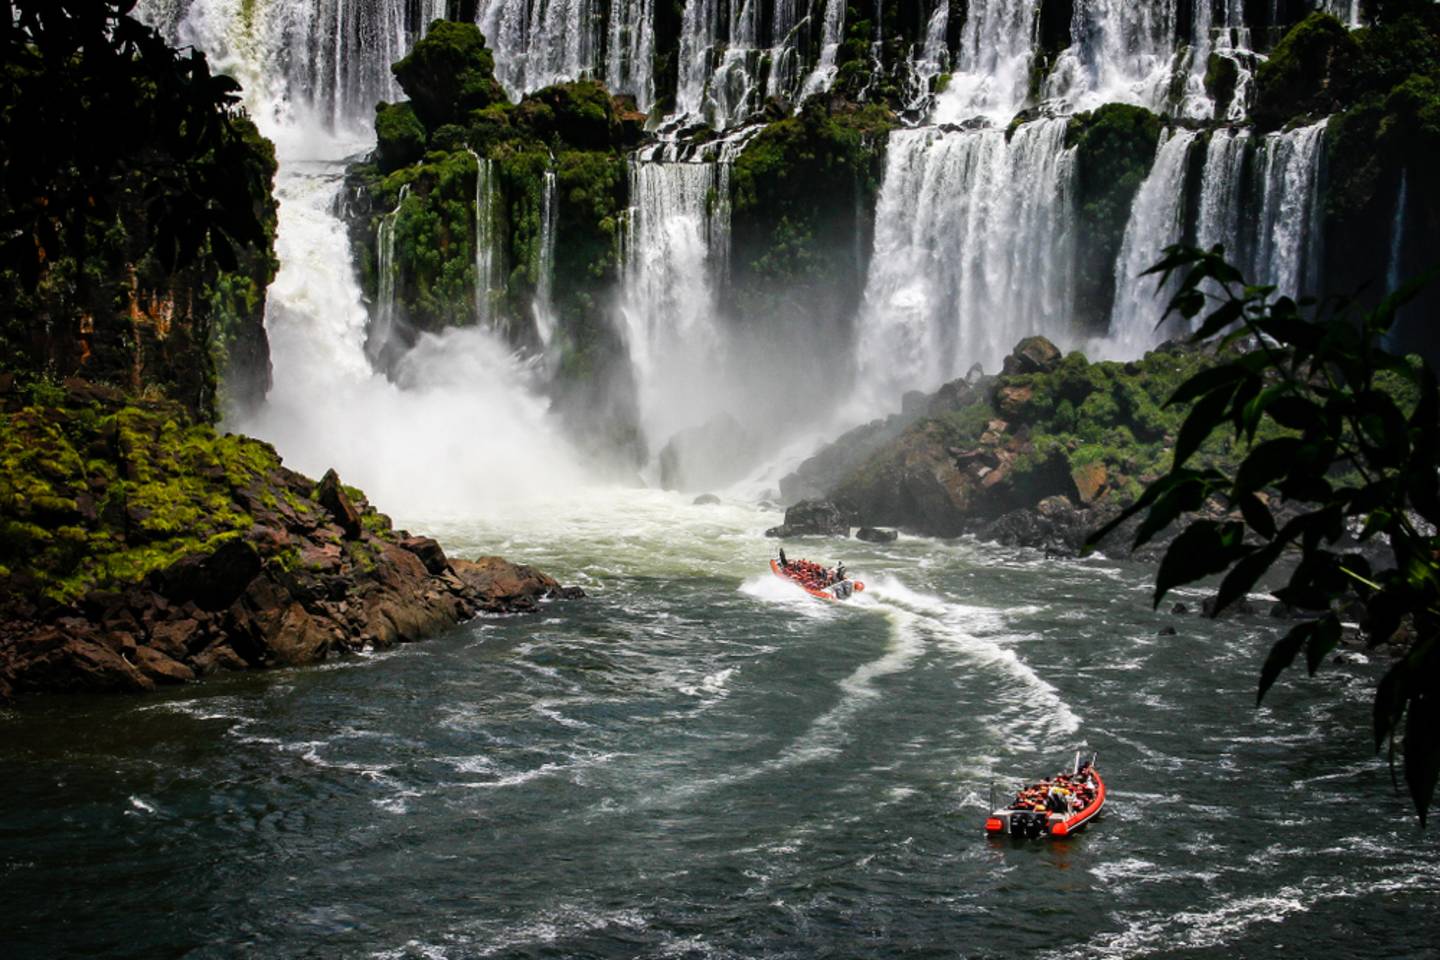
(698, 762)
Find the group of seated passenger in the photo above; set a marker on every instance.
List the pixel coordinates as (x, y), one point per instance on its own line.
(1062, 793)
(811, 575)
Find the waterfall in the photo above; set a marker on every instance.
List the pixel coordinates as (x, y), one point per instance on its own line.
(387, 274)
(489, 254)
(676, 248)
(1121, 51)
(832, 32)
(699, 35)
(1288, 229)
(537, 42)
(1229, 39)
(974, 249)
(543, 306)
(784, 76)
(1394, 271)
(630, 54)
(327, 57)
(1157, 220)
(1221, 181)
(992, 66)
(933, 59)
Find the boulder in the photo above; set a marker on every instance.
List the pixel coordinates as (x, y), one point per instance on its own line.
(875, 535)
(813, 518)
(161, 668)
(498, 581)
(331, 495)
(211, 581)
(1091, 481)
(1032, 355)
(429, 552)
(1011, 399)
(705, 499)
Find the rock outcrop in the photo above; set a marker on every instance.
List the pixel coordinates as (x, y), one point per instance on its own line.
(1039, 456)
(812, 518)
(166, 553)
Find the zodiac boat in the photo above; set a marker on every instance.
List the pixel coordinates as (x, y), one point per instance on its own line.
(839, 590)
(1056, 807)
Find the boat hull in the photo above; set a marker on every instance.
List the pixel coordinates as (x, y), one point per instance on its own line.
(835, 593)
(1032, 824)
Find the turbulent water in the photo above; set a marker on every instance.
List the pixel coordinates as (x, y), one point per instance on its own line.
(699, 761)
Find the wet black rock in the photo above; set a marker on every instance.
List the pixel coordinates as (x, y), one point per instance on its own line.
(705, 499)
(875, 535)
(812, 518)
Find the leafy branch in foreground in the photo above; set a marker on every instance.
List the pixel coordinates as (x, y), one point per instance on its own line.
(1358, 453)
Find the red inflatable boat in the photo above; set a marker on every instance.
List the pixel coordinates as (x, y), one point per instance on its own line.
(1056, 807)
(808, 577)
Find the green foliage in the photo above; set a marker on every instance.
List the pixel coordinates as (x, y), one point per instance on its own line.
(1114, 150)
(135, 201)
(795, 191)
(399, 136)
(92, 497)
(1309, 71)
(1357, 448)
(449, 73)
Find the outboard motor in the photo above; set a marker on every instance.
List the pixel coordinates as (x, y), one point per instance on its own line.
(1027, 823)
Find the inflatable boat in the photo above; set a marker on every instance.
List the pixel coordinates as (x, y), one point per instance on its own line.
(794, 571)
(1056, 807)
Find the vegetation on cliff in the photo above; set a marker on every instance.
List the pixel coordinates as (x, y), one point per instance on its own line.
(136, 210)
(803, 198)
(1114, 150)
(1048, 426)
(138, 547)
(1349, 435)
(1380, 86)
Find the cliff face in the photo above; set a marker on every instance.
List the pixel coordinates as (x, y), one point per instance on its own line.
(139, 548)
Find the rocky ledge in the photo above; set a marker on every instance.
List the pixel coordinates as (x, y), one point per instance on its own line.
(1040, 455)
(139, 549)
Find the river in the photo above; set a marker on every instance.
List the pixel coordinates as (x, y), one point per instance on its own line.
(701, 761)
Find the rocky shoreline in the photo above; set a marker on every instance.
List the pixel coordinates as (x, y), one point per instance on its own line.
(138, 550)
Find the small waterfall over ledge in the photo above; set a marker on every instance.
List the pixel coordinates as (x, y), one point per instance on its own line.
(973, 250)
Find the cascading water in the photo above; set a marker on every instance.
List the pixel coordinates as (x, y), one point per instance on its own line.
(387, 270)
(539, 42)
(784, 76)
(1286, 254)
(489, 256)
(543, 307)
(1226, 38)
(973, 250)
(675, 247)
(832, 32)
(932, 61)
(630, 53)
(329, 57)
(1120, 51)
(992, 66)
(1157, 220)
(1221, 182)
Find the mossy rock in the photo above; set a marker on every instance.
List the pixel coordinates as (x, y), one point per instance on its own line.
(399, 136)
(1114, 150)
(448, 74)
(1308, 74)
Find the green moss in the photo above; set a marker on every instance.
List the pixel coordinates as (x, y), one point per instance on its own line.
(1309, 71)
(70, 522)
(1114, 149)
(399, 136)
(448, 74)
